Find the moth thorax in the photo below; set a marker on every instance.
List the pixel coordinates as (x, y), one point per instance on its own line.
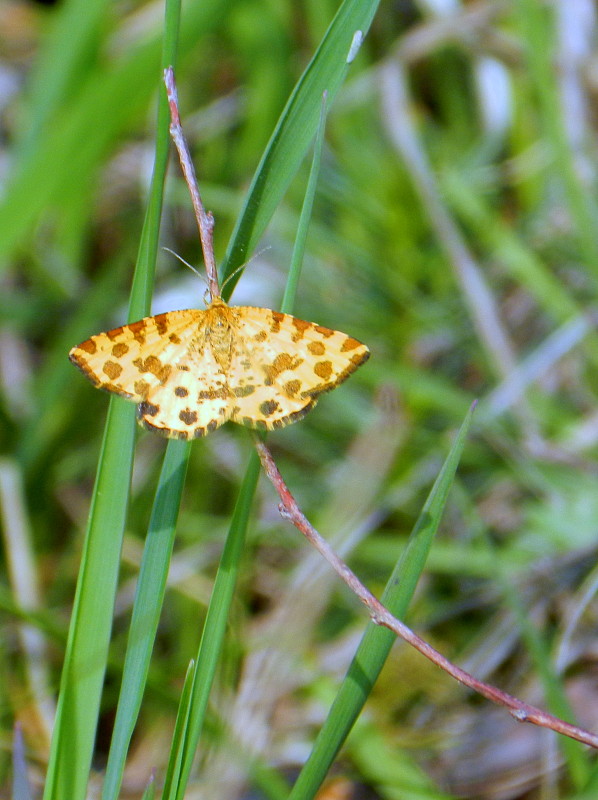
(220, 334)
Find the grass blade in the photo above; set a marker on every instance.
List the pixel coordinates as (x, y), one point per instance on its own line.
(181, 728)
(376, 643)
(147, 607)
(295, 130)
(89, 633)
(217, 619)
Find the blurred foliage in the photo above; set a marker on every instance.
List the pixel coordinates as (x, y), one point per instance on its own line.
(454, 232)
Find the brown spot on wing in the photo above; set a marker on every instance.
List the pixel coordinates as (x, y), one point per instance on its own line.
(205, 429)
(161, 322)
(115, 333)
(323, 369)
(112, 370)
(141, 387)
(350, 344)
(316, 348)
(89, 346)
(281, 363)
(138, 330)
(292, 387)
(213, 394)
(135, 328)
(301, 325)
(325, 332)
(269, 407)
(154, 366)
(120, 349)
(188, 416)
(281, 422)
(277, 318)
(171, 434)
(147, 409)
(180, 391)
(243, 391)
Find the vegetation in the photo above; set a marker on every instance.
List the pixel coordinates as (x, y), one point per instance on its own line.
(453, 231)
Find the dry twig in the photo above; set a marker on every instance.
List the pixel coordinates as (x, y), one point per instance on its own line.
(205, 221)
(381, 616)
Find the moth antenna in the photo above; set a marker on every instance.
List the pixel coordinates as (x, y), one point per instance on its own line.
(232, 275)
(245, 264)
(186, 263)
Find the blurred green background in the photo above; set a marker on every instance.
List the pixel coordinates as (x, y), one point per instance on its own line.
(454, 231)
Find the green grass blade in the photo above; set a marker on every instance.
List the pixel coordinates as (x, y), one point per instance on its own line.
(173, 770)
(150, 790)
(57, 376)
(70, 151)
(288, 300)
(376, 643)
(157, 552)
(89, 633)
(390, 767)
(217, 619)
(143, 280)
(147, 607)
(295, 130)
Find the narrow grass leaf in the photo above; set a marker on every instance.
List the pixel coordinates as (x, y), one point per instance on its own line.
(150, 790)
(58, 64)
(538, 25)
(147, 608)
(288, 300)
(523, 264)
(179, 737)
(89, 633)
(295, 129)
(157, 552)
(377, 642)
(212, 637)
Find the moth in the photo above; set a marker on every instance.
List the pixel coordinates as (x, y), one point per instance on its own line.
(191, 371)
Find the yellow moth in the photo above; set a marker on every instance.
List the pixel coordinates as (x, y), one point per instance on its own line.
(191, 371)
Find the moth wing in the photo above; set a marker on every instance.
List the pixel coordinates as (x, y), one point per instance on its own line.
(133, 359)
(282, 364)
(194, 401)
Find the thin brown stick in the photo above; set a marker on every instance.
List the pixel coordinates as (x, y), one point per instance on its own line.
(205, 221)
(381, 616)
